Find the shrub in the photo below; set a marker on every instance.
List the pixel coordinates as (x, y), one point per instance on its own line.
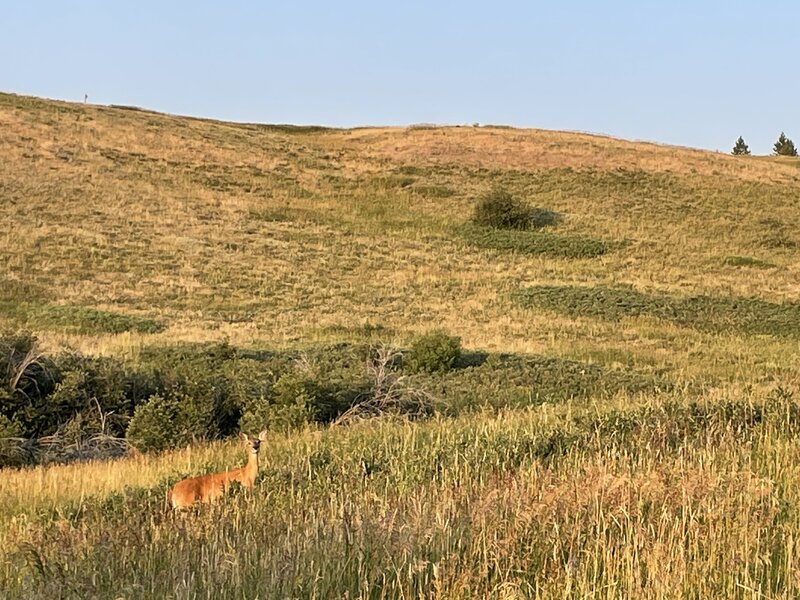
(202, 373)
(171, 421)
(93, 390)
(435, 352)
(153, 426)
(9, 428)
(28, 378)
(11, 452)
(292, 404)
(501, 210)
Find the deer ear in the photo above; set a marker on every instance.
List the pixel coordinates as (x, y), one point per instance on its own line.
(263, 435)
(243, 436)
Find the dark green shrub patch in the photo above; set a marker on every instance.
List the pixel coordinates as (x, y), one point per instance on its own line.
(291, 404)
(92, 395)
(247, 390)
(705, 313)
(154, 425)
(501, 210)
(28, 379)
(435, 352)
(171, 396)
(175, 420)
(534, 242)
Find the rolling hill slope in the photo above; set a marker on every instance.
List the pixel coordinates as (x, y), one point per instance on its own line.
(123, 227)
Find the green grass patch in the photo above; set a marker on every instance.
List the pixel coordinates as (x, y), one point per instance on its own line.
(368, 331)
(435, 191)
(704, 313)
(74, 319)
(273, 215)
(413, 170)
(747, 261)
(518, 381)
(534, 242)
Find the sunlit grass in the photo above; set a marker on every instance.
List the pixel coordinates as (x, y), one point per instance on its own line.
(552, 502)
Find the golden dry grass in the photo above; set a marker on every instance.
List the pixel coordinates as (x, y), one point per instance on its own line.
(472, 507)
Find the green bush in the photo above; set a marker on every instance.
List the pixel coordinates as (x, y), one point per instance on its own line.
(27, 378)
(291, 404)
(203, 373)
(501, 210)
(92, 389)
(435, 352)
(9, 428)
(11, 453)
(154, 424)
(171, 421)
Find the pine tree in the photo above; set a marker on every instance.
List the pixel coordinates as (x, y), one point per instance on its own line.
(784, 146)
(740, 149)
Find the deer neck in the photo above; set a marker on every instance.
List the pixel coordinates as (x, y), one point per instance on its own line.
(251, 468)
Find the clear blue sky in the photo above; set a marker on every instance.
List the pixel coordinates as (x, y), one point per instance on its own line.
(690, 73)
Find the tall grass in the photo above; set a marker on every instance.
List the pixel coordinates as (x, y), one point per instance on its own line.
(691, 500)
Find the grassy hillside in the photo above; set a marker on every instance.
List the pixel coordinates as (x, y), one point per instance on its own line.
(622, 423)
(282, 235)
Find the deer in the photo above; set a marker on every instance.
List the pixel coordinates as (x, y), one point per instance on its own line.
(208, 488)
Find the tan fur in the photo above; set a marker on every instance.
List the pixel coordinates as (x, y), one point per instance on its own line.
(208, 488)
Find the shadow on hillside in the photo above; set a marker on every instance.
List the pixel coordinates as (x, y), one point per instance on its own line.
(470, 359)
